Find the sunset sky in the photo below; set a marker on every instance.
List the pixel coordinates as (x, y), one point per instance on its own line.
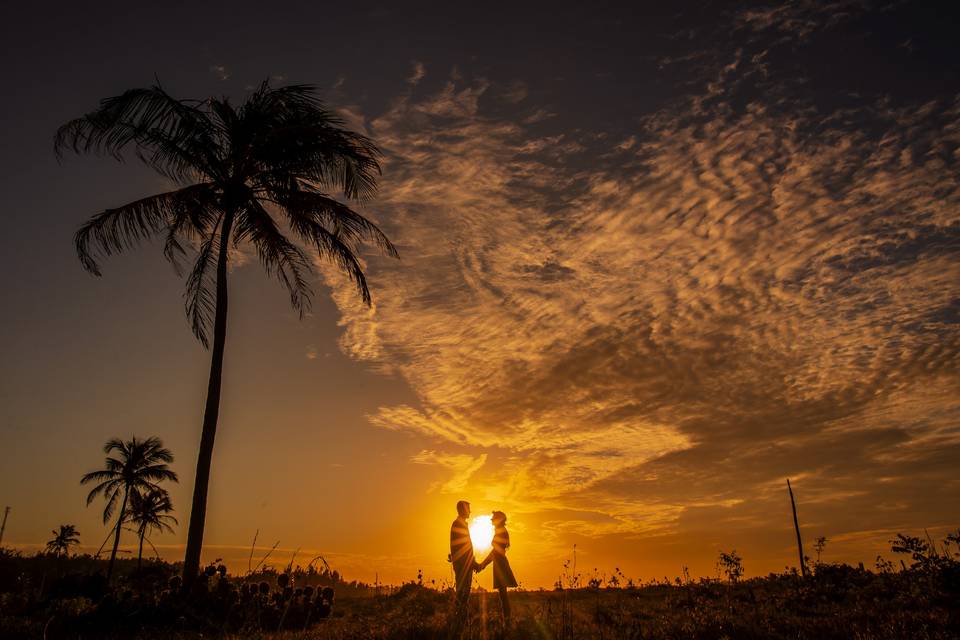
(654, 261)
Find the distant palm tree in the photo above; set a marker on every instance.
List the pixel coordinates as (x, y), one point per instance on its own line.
(66, 537)
(150, 512)
(245, 175)
(138, 467)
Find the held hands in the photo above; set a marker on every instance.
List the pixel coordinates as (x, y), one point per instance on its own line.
(478, 567)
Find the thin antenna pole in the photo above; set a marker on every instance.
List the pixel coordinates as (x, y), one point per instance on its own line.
(3, 526)
(796, 526)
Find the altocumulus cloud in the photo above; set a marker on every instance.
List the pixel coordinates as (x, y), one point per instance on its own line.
(651, 330)
(461, 465)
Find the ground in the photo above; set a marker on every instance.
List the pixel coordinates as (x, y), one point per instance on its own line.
(57, 597)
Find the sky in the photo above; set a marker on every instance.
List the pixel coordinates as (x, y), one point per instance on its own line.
(656, 258)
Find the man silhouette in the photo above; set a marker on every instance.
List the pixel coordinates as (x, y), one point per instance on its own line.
(464, 564)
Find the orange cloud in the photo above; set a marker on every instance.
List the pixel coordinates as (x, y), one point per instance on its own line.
(660, 327)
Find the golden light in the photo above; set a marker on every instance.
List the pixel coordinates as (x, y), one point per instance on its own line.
(481, 535)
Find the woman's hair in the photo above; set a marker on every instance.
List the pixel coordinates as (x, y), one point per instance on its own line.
(499, 516)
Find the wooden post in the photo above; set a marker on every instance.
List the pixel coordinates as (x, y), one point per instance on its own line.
(3, 526)
(796, 526)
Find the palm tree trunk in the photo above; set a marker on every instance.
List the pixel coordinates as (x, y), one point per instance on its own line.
(140, 551)
(116, 538)
(198, 512)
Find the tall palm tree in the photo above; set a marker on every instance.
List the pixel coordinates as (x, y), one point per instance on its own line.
(66, 537)
(138, 467)
(247, 175)
(150, 512)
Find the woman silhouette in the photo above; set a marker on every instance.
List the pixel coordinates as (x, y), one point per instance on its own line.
(503, 578)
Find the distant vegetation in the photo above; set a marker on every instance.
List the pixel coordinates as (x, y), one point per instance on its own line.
(913, 597)
(64, 538)
(130, 484)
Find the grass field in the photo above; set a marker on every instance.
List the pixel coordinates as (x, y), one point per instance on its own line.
(765, 608)
(890, 601)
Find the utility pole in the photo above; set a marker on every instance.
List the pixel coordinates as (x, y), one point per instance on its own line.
(796, 526)
(3, 526)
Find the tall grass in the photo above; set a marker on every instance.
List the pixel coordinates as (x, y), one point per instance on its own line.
(915, 598)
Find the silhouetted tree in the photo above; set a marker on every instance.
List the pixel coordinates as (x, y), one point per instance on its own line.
(150, 512)
(731, 564)
(245, 174)
(66, 537)
(820, 545)
(138, 467)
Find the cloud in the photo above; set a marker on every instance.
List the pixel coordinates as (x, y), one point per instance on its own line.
(537, 116)
(419, 72)
(463, 467)
(220, 71)
(515, 92)
(797, 21)
(660, 326)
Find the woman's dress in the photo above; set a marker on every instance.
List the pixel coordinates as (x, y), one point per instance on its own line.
(502, 573)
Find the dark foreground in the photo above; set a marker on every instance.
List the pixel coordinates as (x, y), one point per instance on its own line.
(837, 601)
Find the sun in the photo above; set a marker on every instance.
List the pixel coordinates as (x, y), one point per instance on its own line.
(481, 534)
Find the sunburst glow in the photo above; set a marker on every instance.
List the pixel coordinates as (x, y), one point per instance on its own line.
(481, 534)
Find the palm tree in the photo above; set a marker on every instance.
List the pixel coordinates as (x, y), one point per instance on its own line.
(244, 175)
(138, 467)
(66, 537)
(150, 512)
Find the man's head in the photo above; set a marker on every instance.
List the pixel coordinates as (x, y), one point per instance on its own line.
(463, 509)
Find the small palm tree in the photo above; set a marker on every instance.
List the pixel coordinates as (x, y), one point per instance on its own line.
(150, 512)
(66, 537)
(247, 175)
(137, 467)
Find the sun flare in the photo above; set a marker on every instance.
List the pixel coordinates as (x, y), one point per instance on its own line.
(481, 534)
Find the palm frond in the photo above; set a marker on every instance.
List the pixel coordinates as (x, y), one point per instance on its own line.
(200, 295)
(114, 444)
(195, 210)
(331, 247)
(97, 490)
(102, 475)
(294, 132)
(116, 230)
(154, 451)
(334, 215)
(279, 256)
(338, 160)
(174, 137)
(111, 505)
(292, 96)
(151, 510)
(157, 473)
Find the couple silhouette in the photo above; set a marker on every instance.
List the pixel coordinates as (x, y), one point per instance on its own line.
(465, 564)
